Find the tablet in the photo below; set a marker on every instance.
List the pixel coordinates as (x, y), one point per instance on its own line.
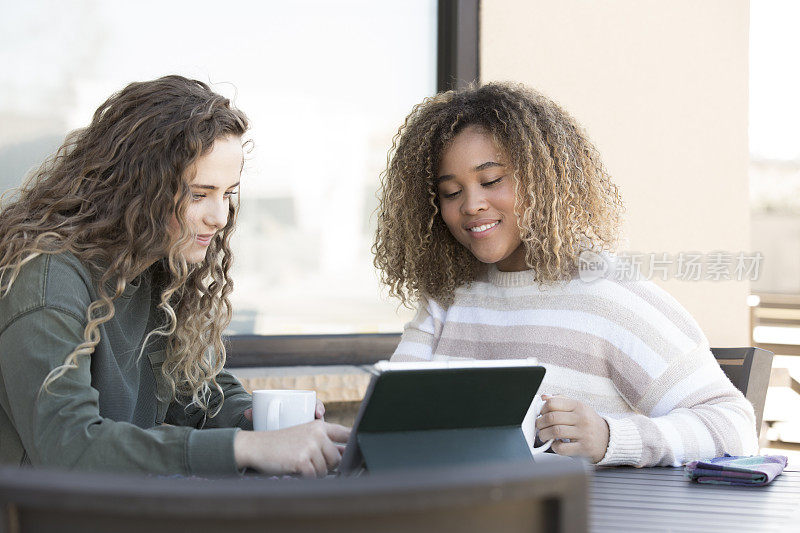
(442, 413)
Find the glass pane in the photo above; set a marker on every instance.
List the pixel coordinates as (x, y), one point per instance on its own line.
(325, 84)
(775, 145)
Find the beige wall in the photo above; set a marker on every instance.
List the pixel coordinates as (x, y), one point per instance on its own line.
(661, 88)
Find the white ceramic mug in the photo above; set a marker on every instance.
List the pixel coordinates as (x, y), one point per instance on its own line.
(279, 409)
(529, 426)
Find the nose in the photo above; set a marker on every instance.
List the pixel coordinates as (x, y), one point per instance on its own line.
(473, 201)
(217, 214)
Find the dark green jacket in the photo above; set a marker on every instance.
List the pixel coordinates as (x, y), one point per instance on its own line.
(104, 415)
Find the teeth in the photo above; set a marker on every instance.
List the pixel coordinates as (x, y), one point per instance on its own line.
(478, 229)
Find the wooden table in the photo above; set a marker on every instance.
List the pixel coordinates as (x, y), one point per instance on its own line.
(661, 499)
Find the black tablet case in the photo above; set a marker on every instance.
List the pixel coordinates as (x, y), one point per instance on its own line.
(438, 417)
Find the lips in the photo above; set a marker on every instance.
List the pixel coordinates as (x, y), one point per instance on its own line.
(477, 228)
(204, 240)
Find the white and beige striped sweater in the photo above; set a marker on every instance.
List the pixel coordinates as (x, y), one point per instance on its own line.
(627, 349)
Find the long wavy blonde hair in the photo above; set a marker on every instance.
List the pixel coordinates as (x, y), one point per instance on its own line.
(107, 196)
(566, 201)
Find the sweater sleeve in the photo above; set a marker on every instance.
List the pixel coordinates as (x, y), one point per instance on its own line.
(235, 401)
(62, 427)
(691, 411)
(421, 335)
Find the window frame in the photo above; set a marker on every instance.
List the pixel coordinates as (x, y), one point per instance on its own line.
(458, 39)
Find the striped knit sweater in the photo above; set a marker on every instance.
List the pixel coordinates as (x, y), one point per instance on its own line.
(627, 349)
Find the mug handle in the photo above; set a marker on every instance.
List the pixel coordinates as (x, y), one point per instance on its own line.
(536, 450)
(273, 415)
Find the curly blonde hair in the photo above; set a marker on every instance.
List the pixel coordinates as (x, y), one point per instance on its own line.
(566, 202)
(107, 196)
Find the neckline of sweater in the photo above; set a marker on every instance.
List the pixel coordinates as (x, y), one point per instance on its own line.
(522, 278)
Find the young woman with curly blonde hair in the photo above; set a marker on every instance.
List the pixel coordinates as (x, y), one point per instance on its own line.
(489, 199)
(114, 282)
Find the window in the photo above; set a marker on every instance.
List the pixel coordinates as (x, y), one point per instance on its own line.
(325, 84)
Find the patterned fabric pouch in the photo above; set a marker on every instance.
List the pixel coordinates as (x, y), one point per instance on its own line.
(747, 471)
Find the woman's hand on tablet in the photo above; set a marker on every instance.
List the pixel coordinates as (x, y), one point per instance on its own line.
(577, 428)
(309, 450)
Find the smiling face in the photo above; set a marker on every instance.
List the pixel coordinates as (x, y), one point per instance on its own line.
(217, 174)
(476, 193)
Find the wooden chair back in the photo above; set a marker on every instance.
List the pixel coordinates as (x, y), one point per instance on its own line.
(775, 310)
(507, 497)
(749, 370)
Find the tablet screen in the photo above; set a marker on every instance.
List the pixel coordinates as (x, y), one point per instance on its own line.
(431, 398)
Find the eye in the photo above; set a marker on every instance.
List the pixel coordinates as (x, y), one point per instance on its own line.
(196, 196)
(231, 193)
(493, 182)
(449, 195)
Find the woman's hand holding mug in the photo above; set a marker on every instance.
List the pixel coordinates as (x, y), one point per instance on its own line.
(577, 428)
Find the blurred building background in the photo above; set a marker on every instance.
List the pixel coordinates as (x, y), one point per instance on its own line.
(775, 144)
(775, 208)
